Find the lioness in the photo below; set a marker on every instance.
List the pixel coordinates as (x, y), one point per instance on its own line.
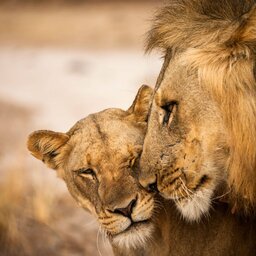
(98, 160)
(201, 135)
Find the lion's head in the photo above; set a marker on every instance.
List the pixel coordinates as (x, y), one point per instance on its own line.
(201, 135)
(98, 160)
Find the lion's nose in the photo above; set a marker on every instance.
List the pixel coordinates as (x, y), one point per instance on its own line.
(127, 211)
(152, 187)
(150, 184)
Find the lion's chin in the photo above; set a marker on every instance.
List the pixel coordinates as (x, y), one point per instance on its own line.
(135, 235)
(197, 206)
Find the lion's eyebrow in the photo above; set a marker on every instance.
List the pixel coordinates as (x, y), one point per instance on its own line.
(163, 99)
(158, 98)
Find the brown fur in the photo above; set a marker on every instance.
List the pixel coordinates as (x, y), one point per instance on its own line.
(216, 42)
(109, 142)
(221, 234)
(97, 158)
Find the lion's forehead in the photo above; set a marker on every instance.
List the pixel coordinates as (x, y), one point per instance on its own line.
(178, 82)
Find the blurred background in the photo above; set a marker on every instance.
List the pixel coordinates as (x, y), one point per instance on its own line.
(59, 61)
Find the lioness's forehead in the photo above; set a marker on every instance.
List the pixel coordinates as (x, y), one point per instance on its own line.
(112, 126)
(104, 135)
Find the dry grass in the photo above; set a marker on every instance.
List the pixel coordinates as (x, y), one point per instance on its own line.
(21, 205)
(35, 220)
(37, 215)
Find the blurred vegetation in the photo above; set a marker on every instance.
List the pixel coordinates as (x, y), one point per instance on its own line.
(37, 215)
(93, 24)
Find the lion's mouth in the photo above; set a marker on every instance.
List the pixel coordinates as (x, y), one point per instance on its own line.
(195, 201)
(182, 191)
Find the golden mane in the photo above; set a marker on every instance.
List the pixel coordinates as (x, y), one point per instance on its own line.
(218, 40)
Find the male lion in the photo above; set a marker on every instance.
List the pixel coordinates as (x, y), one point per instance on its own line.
(98, 160)
(201, 137)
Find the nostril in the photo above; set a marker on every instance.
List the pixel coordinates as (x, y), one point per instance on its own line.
(152, 187)
(149, 182)
(127, 211)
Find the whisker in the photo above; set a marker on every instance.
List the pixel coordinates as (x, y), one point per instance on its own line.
(98, 248)
(218, 197)
(165, 211)
(103, 236)
(90, 223)
(187, 189)
(189, 194)
(176, 199)
(152, 241)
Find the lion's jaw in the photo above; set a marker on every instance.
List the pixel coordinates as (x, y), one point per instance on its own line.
(192, 195)
(194, 207)
(186, 149)
(192, 190)
(209, 72)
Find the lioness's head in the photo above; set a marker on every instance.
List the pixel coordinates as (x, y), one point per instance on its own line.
(97, 159)
(202, 127)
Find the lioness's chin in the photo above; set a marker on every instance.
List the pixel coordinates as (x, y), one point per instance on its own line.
(134, 236)
(196, 206)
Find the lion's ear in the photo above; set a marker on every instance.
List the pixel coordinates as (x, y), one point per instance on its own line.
(48, 146)
(141, 105)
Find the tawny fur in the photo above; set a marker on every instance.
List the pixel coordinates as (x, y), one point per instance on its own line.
(108, 142)
(217, 40)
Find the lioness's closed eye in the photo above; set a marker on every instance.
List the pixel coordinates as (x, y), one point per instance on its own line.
(98, 161)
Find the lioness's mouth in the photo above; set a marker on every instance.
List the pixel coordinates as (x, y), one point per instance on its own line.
(134, 227)
(136, 234)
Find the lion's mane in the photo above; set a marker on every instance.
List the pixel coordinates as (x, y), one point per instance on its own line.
(219, 41)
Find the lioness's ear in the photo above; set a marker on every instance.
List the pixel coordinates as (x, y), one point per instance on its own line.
(48, 146)
(141, 105)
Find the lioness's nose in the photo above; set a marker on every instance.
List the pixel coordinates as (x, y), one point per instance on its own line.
(127, 211)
